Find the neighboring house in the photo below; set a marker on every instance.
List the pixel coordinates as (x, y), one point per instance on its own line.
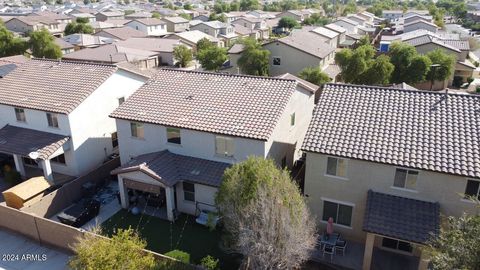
(138, 15)
(341, 33)
(88, 16)
(301, 49)
(232, 16)
(255, 24)
(391, 15)
(203, 18)
(60, 18)
(420, 24)
(149, 26)
(417, 17)
(113, 53)
(55, 115)
(244, 32)
(26, 24)
(294, 14)
(385, 168)
(121, 33)
(191, 38)
(217, 29)
(109, 15)
(347, 24)
(173, 146)
(10, 63)
(331, 37)
(162, 46)
(176, 24)
(82, 41)
(64, 46)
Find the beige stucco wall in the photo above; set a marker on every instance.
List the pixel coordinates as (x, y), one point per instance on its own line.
(363, 175)
(204, 195)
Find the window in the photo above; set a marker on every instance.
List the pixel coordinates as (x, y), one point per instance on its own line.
(337, 167)
(52, 119)
(137, 130)
(114, 139)
(173, 136)
(405, 179)
(121, 100)
(292, 119)
(29, 161)
(396, 244)
(341, 214)
(59, 159)
(277, 61)
(188, 191)
(472, 189)
(20, 114)
(224, 146)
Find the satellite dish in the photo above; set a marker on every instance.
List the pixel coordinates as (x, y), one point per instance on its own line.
(33, 155)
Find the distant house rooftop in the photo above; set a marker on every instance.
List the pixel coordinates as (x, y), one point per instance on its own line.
(121, 33)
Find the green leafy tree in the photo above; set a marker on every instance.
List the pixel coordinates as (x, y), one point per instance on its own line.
(316, 19)
(217, 17)
(123, 251)
(43, 45)
(288, 4)
(80, 26)
(365, 40)
(314, 75)
(157, 15)
(350, 8)
(457, 246)
(179, 255)
(212, 57)
(254, 59)
(288, 22)
(410, 67)
(187, 6)
(234, 6)
(9, 44)
(354, 63)
(257, 198)
(379, 72)
(247, 5)
(446, 62)
(209, 263)
(204, 43)
(183, 55)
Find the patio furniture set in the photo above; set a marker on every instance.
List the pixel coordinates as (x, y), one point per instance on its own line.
(331, 244)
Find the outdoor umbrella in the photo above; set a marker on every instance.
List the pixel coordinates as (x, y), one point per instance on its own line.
(330, 226)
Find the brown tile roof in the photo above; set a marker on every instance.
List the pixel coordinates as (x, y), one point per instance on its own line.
(170, 168)
(416, 129)
(150, 21)
(122, 33)
(22, 141)
(150, 44)
(308, 42)
(303, 83)
(50, 85)
(236, 105)
(34, 20)
(111, 53)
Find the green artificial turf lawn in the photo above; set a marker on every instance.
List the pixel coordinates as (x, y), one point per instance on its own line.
(185, 234)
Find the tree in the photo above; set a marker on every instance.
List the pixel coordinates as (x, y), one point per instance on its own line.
(265, 216)
(9, 44)
(446, 62)
(183, 55)
(365, 40)
(254, 59)
(204, 43)
(314, 75)
(234, 6)
(123, 251)
(246, 5)
(316, 19)
(187, 6)
(157, 15)
(80, 26)
(288, 22)
(43, 45)
(217, 17)
(379, 72)
(457, 246)
(212, 57)
(410, 67)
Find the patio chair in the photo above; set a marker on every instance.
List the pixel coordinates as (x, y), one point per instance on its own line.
(341, 246)
(319, 244)
(330, 250)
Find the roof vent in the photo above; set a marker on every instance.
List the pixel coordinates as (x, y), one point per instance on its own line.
(190, 97)
(195, 172)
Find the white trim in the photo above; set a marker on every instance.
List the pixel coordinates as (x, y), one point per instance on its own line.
(337, 201)
(404, 189)
(336, 176)
(408, 170)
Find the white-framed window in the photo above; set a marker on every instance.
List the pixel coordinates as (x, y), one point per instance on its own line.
(224, 146)
(341, 213)
(405, 179)
(173, 136)
(20, 115)
(137, 130)
(336, 167)
(188, 191)
(277, 61)
(52, 119)
(121, 100)
(397, 244)
(472, 189)
(292, 119)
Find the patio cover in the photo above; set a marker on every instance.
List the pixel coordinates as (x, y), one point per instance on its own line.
(22, 141)
(170, 168)
(401, 218)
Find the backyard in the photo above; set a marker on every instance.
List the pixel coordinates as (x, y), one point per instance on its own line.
(185, 234)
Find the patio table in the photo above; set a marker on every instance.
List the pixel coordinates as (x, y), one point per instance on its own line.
(331, 241)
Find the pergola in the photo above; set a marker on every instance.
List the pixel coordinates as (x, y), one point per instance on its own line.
(38, 145)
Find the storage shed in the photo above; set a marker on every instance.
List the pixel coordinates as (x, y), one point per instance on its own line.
(26, 192)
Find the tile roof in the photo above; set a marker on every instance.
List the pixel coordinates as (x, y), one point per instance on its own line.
(312, 88)
(63, 44)
(195, 36)
(426, 39)
(150, 44)
(122, 33)
(150, 21)
(216, 24)
(307, 42)
(325, 32)
(170, 168)
(420, 21)
(50, 85)
(86, 40)
(22, 141)
(417, 129)
(112, 53)
(401, 218)
(175, 19)
(336, 28)
(33, 20)
(236, 105)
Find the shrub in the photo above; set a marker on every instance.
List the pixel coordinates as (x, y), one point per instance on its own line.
(457, 81)
(477, 89)
(209, 263)
(469, 80)
(179, 255)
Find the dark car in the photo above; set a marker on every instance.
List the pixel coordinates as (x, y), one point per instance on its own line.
(80, 213)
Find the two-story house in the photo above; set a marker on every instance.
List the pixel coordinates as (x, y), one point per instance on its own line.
(109, 15)
(256, 24)
(217, 29)
(26, 24)
(55, 115)
(176, 24)
(384, 163)
(149, 26)
(180, 131)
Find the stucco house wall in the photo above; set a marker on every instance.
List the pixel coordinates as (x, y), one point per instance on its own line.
(292, 60)
(149, 30)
